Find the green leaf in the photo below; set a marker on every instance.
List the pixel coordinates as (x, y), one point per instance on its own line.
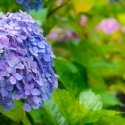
(17, 114)
(79, 52)
(54, 109)
(40, 15)
(49, 110)
(95, 80)
(69, 106)
(94, 116)
(107, 97)
(72, 76)
(43, 115)
(94, 104)
(90, 100)
(115, 120)
(100, 2)
(36, 115)
(121, 17)
(106, 69)
(83, 5)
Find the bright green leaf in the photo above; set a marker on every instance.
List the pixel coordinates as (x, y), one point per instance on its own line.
(90, 100)
(94, 116)
(69, 106)
(83, 5)
(54, 109)
(114, 120)
(51, 110)
(121, 18)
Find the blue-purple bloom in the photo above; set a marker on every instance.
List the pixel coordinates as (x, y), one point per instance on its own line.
(26, 61)
(28, 4)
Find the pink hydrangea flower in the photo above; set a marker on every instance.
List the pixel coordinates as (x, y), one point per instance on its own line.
(59, 2)
(108, 26)
(62, 35)
(83, 20)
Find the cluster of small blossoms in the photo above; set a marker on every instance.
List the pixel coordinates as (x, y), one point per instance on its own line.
(109, 26)
(62, 35)
(25, 62)
(27, 4)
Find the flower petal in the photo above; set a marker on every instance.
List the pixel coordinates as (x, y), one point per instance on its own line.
(36, 99)
(18, 76)
(12, 80)
(35, 92)
(27, 107)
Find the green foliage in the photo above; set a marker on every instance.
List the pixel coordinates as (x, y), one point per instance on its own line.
(110, 121)
(86, 109)
(51, 111)
(70, 76)
(90, 100)
(41, 15)
(17, 114)
(69, 106)
(80, 53)
(107, 97)
(90, 65)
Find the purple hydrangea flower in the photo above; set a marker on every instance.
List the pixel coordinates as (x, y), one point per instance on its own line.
(27, 4)
(26, 61)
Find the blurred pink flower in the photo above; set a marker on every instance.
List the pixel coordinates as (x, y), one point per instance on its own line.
(83, 20)
(55, 34)
(63, 35)
(59, 2)
(108, 26)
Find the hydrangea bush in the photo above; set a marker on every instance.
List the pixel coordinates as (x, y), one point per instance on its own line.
(25, 62)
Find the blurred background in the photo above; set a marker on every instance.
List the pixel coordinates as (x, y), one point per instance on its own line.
(88, 39)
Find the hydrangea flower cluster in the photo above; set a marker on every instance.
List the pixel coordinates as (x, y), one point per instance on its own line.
(83, 20)
(25, 62)
(108, 26)
(27, 4)
(62, 35)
